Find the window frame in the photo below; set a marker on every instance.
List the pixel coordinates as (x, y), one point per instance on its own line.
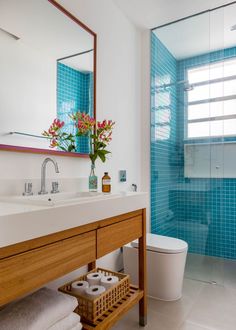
(208, 101)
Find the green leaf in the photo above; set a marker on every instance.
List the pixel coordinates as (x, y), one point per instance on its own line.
(105, 152)
(101, 145)
(71, 147)
(101, 156)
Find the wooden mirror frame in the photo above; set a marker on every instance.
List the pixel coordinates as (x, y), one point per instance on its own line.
(6, 147)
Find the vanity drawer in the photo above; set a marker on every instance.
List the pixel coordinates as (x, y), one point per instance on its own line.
(27, 271)
(114, 236)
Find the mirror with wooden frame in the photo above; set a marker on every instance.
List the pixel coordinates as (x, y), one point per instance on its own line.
(48, 71)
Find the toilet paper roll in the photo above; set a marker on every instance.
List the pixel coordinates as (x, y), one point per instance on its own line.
(109, 281)
(94, 291)
(94, 278)
(79, 287)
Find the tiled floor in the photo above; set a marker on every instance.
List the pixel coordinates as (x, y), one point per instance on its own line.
(211, 269)
(203, 306)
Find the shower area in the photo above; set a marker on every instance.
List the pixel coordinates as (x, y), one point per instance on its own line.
(193, 140)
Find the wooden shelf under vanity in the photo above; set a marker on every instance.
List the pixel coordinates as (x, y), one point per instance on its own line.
(117, 311)
(29, 265)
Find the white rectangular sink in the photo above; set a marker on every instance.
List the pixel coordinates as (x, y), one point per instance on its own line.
(58, 199)
(23, 218)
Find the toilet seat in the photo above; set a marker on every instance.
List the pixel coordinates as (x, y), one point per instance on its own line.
(164, 244)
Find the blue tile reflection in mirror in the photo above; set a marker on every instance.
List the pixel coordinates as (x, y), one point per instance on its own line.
(75, 92)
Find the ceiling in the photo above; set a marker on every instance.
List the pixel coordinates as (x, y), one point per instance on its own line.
(147, 14)
(200, 34)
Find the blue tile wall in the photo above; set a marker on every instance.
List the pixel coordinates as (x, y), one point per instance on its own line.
(74, 93)
(163, 136)
(200, 211)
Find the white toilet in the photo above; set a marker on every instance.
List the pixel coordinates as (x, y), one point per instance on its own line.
(166, 257)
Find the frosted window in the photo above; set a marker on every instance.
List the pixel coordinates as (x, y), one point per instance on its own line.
(230, 127)
(217, 128)
(162, 80)
(162, 99)
(212, 128)
(209, 100)
(199, 129)
(229, 107)
(230, 68)
(214, 109)
(220, 89)
(212, 71)
(229, 87)
(162, 116)
(199, 111)
(162, 132)
(198, 74)
(199, 93)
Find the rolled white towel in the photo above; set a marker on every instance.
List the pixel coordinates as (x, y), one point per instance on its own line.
(67, 323)
(77, 327)
(39, 311)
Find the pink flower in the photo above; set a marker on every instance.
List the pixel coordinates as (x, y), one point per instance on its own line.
(84, 122)
(53, 143)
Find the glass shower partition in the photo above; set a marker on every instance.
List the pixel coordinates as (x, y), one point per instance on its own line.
(193, 139)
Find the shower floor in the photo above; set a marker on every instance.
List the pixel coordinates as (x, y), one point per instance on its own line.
(203, 306)
(211, 270)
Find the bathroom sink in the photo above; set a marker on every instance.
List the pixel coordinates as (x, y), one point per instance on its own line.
(57, 199)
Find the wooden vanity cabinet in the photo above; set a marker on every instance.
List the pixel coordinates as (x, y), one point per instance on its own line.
(25, 271)
(112, 237)
(29, 265)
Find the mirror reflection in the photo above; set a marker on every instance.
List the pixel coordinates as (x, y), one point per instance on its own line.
(47, 72)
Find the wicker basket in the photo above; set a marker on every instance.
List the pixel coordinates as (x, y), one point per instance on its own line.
(91, 309)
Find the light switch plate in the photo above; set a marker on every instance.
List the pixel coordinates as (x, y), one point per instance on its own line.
(122, 176)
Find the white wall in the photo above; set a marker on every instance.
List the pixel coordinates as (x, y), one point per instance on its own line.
(118, 98)
(118, 80)
(29, 76)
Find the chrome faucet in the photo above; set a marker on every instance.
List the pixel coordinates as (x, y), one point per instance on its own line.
(43, 174)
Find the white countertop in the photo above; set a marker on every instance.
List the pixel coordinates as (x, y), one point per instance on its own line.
(22, 222)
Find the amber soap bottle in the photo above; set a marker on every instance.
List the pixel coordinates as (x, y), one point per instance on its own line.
(106, 183)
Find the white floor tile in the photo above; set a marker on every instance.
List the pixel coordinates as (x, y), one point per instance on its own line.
(156, 321)
(191, 326)
(203, 306)
(215, 308)
(178, 310)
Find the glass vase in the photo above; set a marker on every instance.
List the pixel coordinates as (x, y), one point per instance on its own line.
(93, 180)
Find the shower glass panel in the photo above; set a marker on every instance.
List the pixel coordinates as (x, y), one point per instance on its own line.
(193, 140)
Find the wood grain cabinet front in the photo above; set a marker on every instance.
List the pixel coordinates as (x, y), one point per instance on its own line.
(114, 236)
(27, 271)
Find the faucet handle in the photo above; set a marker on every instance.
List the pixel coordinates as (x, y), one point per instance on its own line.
(28, 189)
(55, 186)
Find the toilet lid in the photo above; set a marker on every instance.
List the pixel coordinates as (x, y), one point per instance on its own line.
(164, 244)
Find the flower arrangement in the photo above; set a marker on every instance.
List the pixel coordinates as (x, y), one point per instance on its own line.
(99, 134)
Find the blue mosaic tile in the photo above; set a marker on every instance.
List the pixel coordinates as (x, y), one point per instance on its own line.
(74, 93)
(200, 211)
